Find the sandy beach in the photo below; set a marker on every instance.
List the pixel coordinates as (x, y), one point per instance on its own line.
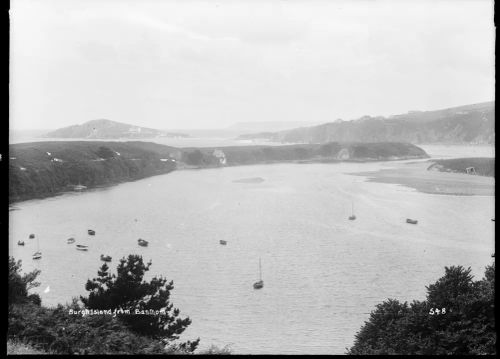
(416, 175)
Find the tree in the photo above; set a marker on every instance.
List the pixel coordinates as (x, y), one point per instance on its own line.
(105, 152)
(457, 317)
(20, 285)
(127, 291)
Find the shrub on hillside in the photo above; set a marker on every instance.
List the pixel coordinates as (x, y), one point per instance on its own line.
(127, 291)
(457, 317)
(19, 285)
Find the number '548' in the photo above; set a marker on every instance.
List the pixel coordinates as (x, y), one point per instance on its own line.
(437, 311)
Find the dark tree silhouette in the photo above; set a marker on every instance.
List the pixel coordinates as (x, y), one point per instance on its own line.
(457, 317)
(128, 291)
(19, 285)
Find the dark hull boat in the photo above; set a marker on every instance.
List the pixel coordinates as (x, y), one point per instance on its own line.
(82, 247)
(20, 243)
(260, 283)
(352, 217)
(142, 242)
(411, 221)
(105, 258)
(223, 242)
(91, 232)
(32, 236)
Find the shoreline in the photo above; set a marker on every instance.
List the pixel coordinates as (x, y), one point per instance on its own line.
(184, 167)
(417, 176)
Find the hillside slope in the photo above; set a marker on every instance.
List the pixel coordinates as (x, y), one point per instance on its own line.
(472, 124)
(41, 169)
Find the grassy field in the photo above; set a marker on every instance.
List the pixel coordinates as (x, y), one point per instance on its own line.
(483, 166)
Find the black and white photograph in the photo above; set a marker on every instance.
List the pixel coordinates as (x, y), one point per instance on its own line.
(239, 177)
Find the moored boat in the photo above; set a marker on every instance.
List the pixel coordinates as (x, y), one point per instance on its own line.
(260, 283)
(91, 232)
(79, 187)
(20, 243)
(32, 236)
(142, 242)
(352, 217)
(223, 242)
(105, 258)
(70, 240)
(82, 247)
(411, 221)
(38, 253)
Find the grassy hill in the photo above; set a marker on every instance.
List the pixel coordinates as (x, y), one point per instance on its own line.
(482, 166)
(472, 124)
(41, 169)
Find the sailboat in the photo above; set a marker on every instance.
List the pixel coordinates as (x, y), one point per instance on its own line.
(260, 283)
(352, 217)
(38, 253)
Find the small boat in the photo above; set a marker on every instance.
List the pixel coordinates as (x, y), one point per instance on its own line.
(38, 253)
(411, 221)
(352, 217)
(91, 232)
(105, 258)
(20, 243)
(70, 240)
(82, 247)
(493, 255)
(223, 242)
(32, 236)
(79, 187)
(142, 242)
(259, 284)
(493, 219)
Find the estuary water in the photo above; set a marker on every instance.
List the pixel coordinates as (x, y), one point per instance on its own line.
(323, 274)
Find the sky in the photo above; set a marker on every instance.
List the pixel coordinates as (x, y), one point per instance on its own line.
(210, 64)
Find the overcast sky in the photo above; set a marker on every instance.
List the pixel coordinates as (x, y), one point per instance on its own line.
(209, 64)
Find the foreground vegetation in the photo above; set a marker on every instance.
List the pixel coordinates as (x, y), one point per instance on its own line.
(42, 169)
(457, 317)
(63, 330)
(482, 166)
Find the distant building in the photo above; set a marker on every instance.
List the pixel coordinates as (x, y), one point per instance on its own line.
(470, 170)
(221, 156)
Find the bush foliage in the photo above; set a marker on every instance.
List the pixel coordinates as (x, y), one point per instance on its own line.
(56, 330)
(457, 317)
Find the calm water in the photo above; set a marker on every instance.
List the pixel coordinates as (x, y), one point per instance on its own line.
(323, 274)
